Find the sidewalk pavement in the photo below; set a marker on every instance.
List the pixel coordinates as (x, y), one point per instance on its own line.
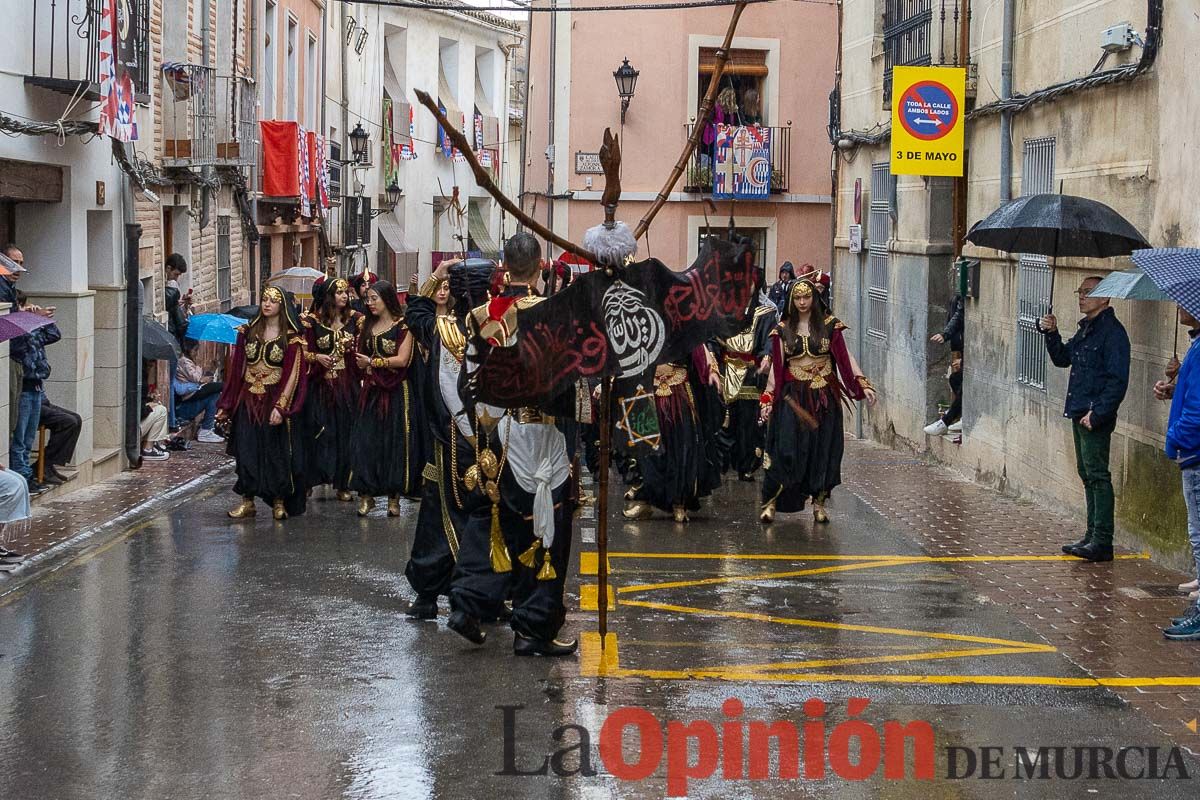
(64, 517)
(1107, 618)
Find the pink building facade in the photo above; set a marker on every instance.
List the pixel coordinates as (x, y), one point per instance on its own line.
(781, 72)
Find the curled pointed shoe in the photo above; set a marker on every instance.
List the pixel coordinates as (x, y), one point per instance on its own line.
(466, 627)
(631, 492)
(679, 514)
(243, 509)
(345, 497)
(278, 511)
(638, 510)
(365, 504)
(819, 514)
(553, 648)
(393, 506)
(767, 516)
(423, 608)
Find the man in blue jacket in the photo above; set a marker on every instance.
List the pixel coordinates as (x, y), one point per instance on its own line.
(30, 352)
(1183, 447)
(1098, 355)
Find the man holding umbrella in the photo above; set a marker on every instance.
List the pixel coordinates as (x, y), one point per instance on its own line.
(1098, 355)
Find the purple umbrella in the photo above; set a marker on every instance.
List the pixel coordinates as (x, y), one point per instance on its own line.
(21, 323)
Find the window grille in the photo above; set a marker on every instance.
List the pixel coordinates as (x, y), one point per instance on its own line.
(878, 234)
(1033, 271)
(223, 263)
(906, 33)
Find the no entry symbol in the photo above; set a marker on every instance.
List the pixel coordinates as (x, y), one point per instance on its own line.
(928, 111)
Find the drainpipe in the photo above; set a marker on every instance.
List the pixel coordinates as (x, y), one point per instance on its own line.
(133, 342)
(208, 171)
(551, 96)
(347, 172)
(525, 109)
(252, 51)
(1007, 37)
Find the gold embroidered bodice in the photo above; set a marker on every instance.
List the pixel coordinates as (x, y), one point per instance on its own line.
(808, 359)
(264, 362)
(454, 341)
(386, 344)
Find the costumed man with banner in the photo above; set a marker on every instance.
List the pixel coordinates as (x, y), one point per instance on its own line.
(451, 491)
(520, 542)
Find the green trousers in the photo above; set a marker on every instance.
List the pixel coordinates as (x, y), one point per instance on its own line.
(1091, 459)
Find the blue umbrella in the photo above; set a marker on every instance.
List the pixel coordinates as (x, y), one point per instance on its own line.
(1176, 271)
(1129, 285)
(214, 328)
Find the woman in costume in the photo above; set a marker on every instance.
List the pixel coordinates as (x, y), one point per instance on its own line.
(811, 374)
(264, 389)
(384, 457)
(329, 412)
(676, 476)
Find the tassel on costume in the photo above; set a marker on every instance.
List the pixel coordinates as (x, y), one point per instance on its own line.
(529, 557)
(499, 552)
(547, 573)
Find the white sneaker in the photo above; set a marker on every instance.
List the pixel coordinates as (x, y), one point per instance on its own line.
(955, 427)
(1190, 586)
(210, 436)
(936, 428)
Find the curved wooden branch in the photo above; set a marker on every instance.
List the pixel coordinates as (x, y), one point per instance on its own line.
(697, 130)
(487, 184)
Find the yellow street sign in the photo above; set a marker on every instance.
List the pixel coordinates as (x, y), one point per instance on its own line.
(928, 105)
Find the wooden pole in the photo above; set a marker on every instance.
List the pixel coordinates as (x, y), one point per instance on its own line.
(602, 506)
(706, 107)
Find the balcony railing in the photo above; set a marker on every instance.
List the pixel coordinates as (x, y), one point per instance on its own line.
(208, 119)
(65, 52)
(699, 174)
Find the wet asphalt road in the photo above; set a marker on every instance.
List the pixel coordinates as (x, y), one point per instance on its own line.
(192, 658)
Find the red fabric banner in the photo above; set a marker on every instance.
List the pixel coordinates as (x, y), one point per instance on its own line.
(280, 158)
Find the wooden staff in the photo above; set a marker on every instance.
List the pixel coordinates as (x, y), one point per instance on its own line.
(602, 505)
(701, 121)
(488, 185)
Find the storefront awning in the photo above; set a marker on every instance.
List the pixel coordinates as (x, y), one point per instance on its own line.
(477, 226)
(391, 232)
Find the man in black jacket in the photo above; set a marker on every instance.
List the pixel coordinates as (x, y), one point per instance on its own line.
(1098, 355)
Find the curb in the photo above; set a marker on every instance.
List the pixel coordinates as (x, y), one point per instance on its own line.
(55, 558)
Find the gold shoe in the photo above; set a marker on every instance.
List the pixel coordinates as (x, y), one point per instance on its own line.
(679, 513)
(278, 511)
(819, 514)
(768, 514)
(639, 510)
(345, 497)
(243, 509)
(365, 504)
(393, 506)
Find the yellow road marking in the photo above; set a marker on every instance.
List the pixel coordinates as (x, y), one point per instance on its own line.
(845, 662)
(594, 661)
(589, 597)
(875, 557)
(766, 576)
(839, 626)
(985, 680)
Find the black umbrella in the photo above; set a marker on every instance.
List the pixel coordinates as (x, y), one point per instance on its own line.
(245, 312)
(1057, 225)
(157, 342)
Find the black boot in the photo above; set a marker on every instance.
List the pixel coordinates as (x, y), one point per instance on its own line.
(1070, 549)
(423, 608)
(525, 646)
(1094, 552)
(466, 627)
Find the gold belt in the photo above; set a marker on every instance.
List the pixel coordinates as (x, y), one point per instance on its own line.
(532, 416)
(260, 376)
(664, 380)
(814, 372)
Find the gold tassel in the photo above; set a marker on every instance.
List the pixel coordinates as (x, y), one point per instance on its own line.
(529, 557)
(500, 560)
(547, 573)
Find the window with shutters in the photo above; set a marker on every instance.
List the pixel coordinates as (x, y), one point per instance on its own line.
(1034, 276)
(356, 221)
(223, 263)
(879, 232)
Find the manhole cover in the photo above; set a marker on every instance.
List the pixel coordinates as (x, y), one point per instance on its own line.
(1151, 591)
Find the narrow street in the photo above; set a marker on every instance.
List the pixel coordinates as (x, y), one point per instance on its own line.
(190, 658)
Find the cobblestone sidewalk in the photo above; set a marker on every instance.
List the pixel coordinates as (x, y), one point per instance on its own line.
(1107, 618)
(65, 516)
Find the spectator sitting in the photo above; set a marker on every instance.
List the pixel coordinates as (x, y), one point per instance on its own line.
(64, 427)
(14, 515)
(30, 353)
(154, 431)
(194, 392)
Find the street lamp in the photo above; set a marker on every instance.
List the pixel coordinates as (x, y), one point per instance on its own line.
(359, 143)
(626, 77)
(391, 200)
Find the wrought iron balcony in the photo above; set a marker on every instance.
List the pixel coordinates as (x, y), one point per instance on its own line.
(907, 30)
(699, 174)
(208, 119)
(65, 52)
